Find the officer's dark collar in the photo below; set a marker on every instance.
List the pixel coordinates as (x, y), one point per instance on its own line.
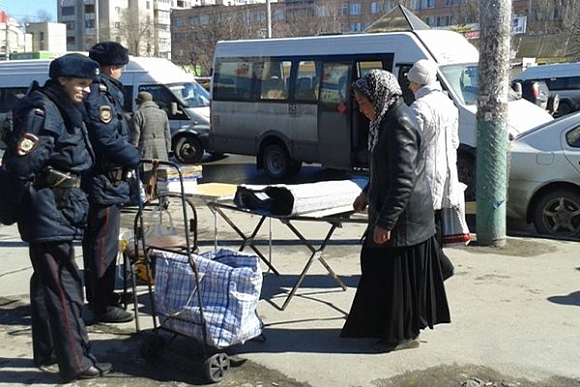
(114, 81)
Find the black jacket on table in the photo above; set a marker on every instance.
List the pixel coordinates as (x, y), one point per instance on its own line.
(109, 134)
(398, 192)
(49, 132)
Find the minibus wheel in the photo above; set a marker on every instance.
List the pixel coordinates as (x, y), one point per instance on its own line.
(188, 149)
(277, 163)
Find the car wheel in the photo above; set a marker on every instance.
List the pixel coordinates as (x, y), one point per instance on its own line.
(277, 163)
(557, 213)
(466, 174)
(188, 149)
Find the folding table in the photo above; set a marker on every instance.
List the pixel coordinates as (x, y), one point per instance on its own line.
(335, 217)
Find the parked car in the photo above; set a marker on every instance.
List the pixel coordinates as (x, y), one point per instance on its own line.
(537, 92)
(563, 79)
(544, 177)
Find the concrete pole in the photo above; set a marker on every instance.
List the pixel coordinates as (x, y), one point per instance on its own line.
(491, 170)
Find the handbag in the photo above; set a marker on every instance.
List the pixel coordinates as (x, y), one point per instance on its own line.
(454, 226)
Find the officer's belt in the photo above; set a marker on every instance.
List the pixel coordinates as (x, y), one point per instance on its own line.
(54, 178)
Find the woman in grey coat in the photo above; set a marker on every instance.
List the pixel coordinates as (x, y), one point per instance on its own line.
(151, 132)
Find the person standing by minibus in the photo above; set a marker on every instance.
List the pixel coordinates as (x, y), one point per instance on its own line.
(439, 123)
(401, 289)
(49, 151)
(107, 186)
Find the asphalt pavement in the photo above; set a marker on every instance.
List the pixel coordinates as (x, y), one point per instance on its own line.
(515, 320)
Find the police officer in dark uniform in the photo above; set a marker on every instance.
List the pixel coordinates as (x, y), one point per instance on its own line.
(49, 151)
(107, 187)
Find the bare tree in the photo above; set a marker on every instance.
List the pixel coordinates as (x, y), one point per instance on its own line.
(43, 16)
(465, 11)
(137, 31)
(570, 25)
(197, 43)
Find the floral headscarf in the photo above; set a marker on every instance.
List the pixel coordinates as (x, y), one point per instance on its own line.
(382, 89)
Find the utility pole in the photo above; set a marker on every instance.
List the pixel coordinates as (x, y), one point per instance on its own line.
(269, 18)
(491, 170)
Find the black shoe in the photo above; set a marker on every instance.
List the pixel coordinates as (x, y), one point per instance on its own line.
(114, 314)
(96, 371)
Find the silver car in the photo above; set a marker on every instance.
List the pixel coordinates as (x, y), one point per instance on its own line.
(544, 180)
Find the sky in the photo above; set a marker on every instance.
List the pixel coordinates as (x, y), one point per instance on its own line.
(19, 9)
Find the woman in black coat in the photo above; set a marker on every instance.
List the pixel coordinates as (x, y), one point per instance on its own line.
(401, 288)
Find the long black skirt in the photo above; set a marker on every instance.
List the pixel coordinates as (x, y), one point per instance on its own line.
(400, 293)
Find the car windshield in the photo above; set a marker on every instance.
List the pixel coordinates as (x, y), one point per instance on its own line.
(191, 94)
(463, 78)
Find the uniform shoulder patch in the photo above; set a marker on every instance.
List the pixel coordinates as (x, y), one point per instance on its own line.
(105, 114)
(102, 88)
(39, 112)
(26, 144)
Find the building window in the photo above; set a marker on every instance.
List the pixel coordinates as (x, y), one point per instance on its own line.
(117, 10)
(117, 25)
(375, 7)
(355, 9)
(278, 15)
(68, 11)
(429, 3)
(203, 19)
(343, 10)
(148, 5)
(355, 27)
(70, 25)
(443, 21)
(90, 23)
(177, 22)
(449, 3)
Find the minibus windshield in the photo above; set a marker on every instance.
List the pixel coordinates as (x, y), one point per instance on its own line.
(463, 78)
(191, 94)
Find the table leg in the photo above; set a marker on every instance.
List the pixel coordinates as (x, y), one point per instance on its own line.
(248, 241)
(315, 254)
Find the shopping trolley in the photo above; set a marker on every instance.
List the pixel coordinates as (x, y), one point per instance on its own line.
(210, 297)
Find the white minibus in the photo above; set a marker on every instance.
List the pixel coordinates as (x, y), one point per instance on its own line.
(176, 91)
(286, 101)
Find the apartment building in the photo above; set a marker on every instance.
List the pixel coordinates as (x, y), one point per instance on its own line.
(143, 26)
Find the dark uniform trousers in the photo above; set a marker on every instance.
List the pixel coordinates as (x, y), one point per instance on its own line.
(56, 301)
(100, 248)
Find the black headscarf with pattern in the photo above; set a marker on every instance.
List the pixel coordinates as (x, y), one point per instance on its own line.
(382, 89)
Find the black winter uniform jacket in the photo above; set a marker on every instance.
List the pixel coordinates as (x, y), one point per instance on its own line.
(49, 132)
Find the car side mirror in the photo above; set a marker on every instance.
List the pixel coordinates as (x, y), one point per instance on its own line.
(174, 109)
(518, 89)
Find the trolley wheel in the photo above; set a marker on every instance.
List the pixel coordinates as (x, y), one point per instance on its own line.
(152, 347)
(216, 367)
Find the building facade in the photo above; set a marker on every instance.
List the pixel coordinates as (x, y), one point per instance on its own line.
(143, 26)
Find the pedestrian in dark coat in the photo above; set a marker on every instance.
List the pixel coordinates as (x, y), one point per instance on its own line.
(401, 288)
(151, 132)
(107, 186)
(49, 151)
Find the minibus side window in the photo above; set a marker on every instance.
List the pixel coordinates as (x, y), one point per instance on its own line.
(233, 79)
(274, 79)
(306, 85)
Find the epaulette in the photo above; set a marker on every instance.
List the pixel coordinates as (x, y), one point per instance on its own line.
(103, 88)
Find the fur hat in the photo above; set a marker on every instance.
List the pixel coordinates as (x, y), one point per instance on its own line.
(423, 72)
(73, 66)
(109, 54)
(144, 97)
